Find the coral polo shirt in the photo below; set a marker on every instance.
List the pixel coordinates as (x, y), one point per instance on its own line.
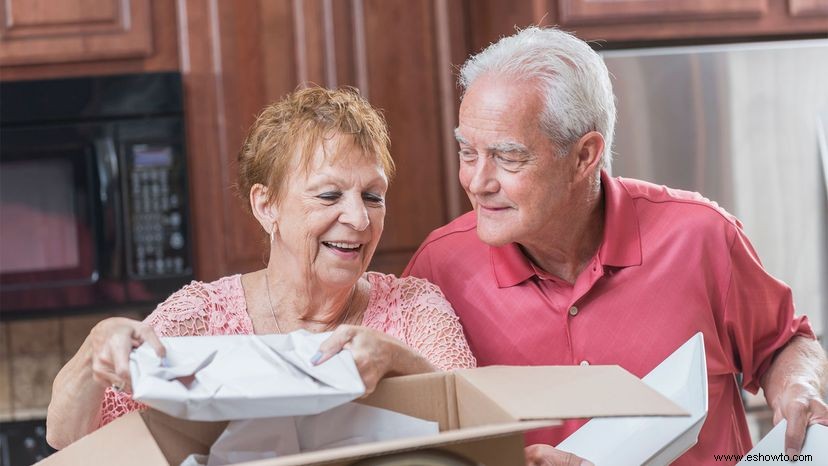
(671, 264)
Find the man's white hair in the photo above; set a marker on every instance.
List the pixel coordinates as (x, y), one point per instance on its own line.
(573, 79)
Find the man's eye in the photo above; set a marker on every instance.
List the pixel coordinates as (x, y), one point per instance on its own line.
(467, 156)
(508, 163)
(330, 196)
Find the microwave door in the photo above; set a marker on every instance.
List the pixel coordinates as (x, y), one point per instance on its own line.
(51, 219)
(111, 222)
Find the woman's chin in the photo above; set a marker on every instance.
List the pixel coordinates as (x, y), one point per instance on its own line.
(338, 277)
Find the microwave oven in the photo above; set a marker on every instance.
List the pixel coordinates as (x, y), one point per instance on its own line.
(93, 192)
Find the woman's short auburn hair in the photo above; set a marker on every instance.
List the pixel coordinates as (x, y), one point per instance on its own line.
(299, 123)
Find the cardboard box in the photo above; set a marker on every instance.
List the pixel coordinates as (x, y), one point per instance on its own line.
(482, 415)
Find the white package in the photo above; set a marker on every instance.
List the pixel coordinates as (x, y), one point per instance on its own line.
(227, 377)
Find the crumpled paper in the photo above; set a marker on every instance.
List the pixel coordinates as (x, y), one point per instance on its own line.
(229, 377)
(350, 424)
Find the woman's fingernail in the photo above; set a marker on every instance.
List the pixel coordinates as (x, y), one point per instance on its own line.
(586, 463)
(316, 357)
(791, 452)
(164, 362)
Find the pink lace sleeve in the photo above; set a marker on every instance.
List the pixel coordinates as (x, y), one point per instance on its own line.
(431, 326)
(196, 309)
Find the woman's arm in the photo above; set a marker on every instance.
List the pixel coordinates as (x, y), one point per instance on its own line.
(102, 361)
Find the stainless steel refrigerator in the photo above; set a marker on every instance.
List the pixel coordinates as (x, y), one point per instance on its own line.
(744, 125)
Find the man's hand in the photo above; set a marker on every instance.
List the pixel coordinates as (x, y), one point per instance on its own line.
(801, 405)
(545, 455)
(793, 386)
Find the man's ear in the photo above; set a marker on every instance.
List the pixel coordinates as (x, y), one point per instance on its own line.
(588, 152)
(264, 210)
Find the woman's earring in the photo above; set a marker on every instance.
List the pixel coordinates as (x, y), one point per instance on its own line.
(273, 233)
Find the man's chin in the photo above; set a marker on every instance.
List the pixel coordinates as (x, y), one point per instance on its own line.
(492, 238)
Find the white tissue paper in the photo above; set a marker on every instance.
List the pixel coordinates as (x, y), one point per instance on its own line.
(350, 424)
(229, 377)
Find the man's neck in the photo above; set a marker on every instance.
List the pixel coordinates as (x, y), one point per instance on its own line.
(571, 245)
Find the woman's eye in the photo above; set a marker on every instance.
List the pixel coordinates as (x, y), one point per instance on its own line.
(373, 198)
(330, 196)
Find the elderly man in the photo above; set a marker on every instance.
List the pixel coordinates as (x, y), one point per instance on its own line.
(559, 263)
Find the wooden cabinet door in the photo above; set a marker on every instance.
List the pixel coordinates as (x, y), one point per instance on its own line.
(240, 56)
(47, 31)
(576, 12)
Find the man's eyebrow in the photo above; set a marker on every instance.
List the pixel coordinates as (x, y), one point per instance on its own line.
(509, 146)
(460, 137)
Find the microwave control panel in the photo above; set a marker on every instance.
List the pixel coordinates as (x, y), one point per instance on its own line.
(158, 227)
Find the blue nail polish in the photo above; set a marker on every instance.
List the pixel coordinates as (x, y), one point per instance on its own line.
(164, 362)
(316, 357)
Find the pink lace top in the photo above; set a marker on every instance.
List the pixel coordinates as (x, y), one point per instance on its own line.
(410, 309)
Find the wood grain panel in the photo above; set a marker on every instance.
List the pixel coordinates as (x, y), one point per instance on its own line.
(242, 91)
(576, 12)
(67, 12)
(402, 71)
(802, 8)
(164, 56)
(491, 19)
(36, 32)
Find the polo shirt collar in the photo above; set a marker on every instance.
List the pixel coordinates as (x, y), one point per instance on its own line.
(620, 247)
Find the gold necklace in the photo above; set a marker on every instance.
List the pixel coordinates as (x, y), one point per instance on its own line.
(276, 319)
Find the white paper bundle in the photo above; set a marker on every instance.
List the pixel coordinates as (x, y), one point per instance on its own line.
(654, 440)
(219, 378)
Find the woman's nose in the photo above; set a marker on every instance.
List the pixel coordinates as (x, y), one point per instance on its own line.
(355, 214)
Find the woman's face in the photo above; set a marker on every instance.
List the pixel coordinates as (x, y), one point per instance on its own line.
(330, 221)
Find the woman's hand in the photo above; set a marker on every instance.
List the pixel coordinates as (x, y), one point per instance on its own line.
(79, 388)
(376, 354)
(111, 341)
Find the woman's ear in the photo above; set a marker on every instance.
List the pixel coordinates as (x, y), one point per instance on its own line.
(264, 210)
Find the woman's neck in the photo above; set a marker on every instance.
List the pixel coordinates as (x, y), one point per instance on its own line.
(309, 304)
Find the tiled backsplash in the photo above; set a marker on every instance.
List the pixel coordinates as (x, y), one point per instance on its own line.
(31, 354)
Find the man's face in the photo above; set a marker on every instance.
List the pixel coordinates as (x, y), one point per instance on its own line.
(520, 190)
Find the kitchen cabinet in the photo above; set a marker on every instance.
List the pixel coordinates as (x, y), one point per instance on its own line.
(45, 39)
(642, 22)
(236, 57)
(240, 56)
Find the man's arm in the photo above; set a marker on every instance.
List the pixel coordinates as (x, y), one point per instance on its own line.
(794, 386)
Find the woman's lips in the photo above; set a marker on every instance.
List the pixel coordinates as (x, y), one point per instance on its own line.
(350, 252)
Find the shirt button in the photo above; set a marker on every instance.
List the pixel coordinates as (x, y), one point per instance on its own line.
(584, 362)
(573, 311)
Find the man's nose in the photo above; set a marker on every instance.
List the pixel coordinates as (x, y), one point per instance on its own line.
(355, 214)
(484, 179)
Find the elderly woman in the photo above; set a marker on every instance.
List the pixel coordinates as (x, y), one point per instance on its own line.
(315, 168)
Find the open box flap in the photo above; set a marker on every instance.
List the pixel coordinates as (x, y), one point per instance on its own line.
(108, 445)
(563, 392)
(356, 452)
(426, 396)
(178, 438)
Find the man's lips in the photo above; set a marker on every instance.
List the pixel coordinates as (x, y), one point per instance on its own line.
(492, 208)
